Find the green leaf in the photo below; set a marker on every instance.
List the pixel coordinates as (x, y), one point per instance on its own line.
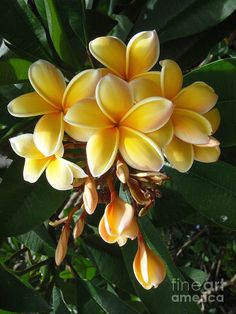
(212, 74)
(23, 205)
(39, 241)
(211, 189)
(13, 70)
(22, 29)
(195, 274)
(162, 299)
(109, 263)
(16, 296)
(171, 207)
(58, 33)
(198, 17)
(59, 305)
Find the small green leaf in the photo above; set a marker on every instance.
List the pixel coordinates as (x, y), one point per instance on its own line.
(16, 296)
(13, 70)
(24, 205)
(210, 189)
(39, 241)
(195, 274)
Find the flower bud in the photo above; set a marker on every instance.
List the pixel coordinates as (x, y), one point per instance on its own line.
(148, 268)
(90, 196)
(79, 226)
(122, 171)
(118, 222)
(136, 192)
(62, 245)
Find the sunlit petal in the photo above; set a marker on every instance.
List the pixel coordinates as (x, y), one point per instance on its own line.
(78, 133)
(59, 175)
(148, 115)
(33, 169)
(48, 133)
(139, 151)
(143, 87)
(87, 114)
(163, 136)
(198, 97)
(48, 82)
(140, 267)
(77, 171)
(114, 97)
(29, 105)
(101, 150)
(110, 51)
(23, 145)
(104, 234)
(142, 53)
(179, 154)
(81, 86)
(191, 127)
(213, 116)
(206, 154)
(171, 78)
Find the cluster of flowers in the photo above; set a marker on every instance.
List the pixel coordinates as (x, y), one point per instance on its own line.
(130, 118)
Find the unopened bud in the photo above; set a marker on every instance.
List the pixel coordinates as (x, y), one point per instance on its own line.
(122, 171)
(62, 245)
(90, 195)
(79, 227)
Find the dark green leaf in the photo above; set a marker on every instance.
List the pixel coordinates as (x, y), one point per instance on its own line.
(23, 205)
(162, 299)
(13, 70)
(59, 305)
(16, 296)
(195, 274)
(39, 241)
(211, 189)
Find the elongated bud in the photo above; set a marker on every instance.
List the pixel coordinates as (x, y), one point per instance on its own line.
(136, 192)
(79, 226)
(62, 245)
(90, 196)
(122, 171)
(149, 268)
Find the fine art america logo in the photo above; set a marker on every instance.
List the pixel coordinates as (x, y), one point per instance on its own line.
(209, 291)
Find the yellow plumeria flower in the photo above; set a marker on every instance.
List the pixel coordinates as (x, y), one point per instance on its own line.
(59, 172)
(148, 268)
(140, 55)
(52, 99)
(187, 136)
(114, 123)
(118, 222)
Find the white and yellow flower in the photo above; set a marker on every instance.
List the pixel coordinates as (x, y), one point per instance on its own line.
(187, 136)
(114, 123)
(140, 55)
(52, 99)
(59, 172)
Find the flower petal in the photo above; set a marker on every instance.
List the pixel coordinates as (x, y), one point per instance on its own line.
(48, 133)
(102, 150)
(29, 105)
(23, 145)
(148, 115)
(140, 267)
(213, 116)
(142, 53)
(191, 127)
(179, 154)
(198, 97)
(48, 82)
(163, 136)
(139, 151)
(114, 97)
(59, 175)
(206, 154)
(81, 86)
(87, 114)
(171, 78)
(104, 234)
(143, 87)
(110, 51)
(78, 133)
(33, 169)
(77, 171)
